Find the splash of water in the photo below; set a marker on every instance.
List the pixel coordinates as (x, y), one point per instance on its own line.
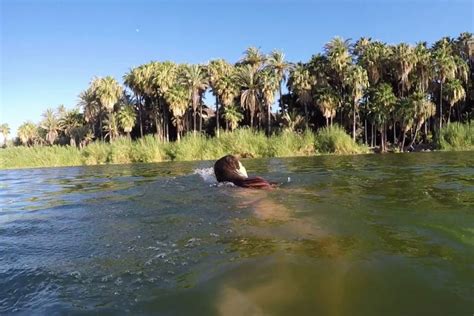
(207, 174)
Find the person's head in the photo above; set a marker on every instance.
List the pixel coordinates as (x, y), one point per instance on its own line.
(229, 169)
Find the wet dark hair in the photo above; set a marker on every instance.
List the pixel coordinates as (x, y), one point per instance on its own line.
(227, 169)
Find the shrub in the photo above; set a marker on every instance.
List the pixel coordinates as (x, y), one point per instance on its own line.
(457, 136)
(335, 140)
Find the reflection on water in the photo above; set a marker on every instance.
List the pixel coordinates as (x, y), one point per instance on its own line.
(365, 235)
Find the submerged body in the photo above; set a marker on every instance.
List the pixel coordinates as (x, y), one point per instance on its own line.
(230, 169)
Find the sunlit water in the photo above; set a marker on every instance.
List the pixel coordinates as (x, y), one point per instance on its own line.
(360, 235)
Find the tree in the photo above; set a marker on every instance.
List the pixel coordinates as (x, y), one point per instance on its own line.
(269, 86)
(278, 65)
(135, 80)
(222, 81)
(357, 81)
(253, 57)
(383, 101)
(127, 118)
(338, 54)
(404, 60)
(339, 58)
(300, 83)
(90, 107)
(423, 67)
(164, 79)
(5, 131)
(327, 101)
(69, 123)
(51, 125)
(108, 92)
(196, 81)
(292, 121)
(424, 109)
(233, 116)
(111, 126)
(454, 93)
(445, 69)
(177, 97)
(247, 78)
(28, 133)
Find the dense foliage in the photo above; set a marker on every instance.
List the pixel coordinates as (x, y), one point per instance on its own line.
(386, 96)
(246, 142)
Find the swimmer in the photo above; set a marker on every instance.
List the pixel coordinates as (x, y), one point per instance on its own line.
(230, 169)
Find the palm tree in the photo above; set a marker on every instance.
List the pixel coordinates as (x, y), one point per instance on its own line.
(404, 60)
(233, 116)
(111, 126)
(5, 131)
(247, 77)
(373, 59)
(135, 80)
(28, 133)
(90, 107)
(51, 125)
(454, 93)
(221, 79)
(327, 101)
(127, 119)
(339, 58)
(424, 109)
(292, 121)
(70, 121)
(406, 111)
(165, 78)
(300, 83)
(253, 57)
(278, 65)
(383, 101)
(196, 81)
(338, 53)
(357, 81)
(445, 69)
(423, 66)
(108, 91)
(269, 85)
(177, 97)
(105, 93)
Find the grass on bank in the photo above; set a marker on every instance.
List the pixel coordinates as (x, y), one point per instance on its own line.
(457, 136)
(244, 142)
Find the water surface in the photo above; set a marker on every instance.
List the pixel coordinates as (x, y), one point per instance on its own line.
(356, 235)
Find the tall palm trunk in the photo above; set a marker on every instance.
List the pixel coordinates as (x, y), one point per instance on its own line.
(440, 105)
(281, 95)
(268, 119)
(402, 144)
(449, 114)
(217, 116)
(194, 121)
(200, 115)
(354, 123)
(394, 132)
(140, 115)
(100, 127)
(372, 135)
(306, 118)
(365, 131)
(417, 128)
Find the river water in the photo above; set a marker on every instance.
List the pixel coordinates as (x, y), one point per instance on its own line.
(356, 235)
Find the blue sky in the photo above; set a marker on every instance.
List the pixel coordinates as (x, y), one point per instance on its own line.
(51, 49)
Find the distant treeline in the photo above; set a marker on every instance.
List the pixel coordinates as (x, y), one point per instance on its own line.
(383, 95)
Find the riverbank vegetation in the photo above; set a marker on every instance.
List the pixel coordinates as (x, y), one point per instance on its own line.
(387, 97)
(244, 142)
